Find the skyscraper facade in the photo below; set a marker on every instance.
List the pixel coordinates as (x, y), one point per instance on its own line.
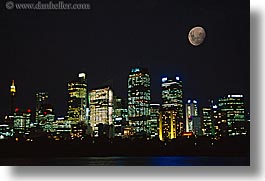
(41, 104)
(233, 108)
(191, 113)
(139, 96)
(22, 120)
(172, 99)
(77, 100)
(153, 121)
(101, 111)
(120, 116)
(208, 121)
(168, 125)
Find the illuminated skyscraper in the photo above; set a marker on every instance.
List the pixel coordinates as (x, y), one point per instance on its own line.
(169, 127)
(153, 121)
(233, 109)
(207, 121)
(120, 116)
(139, 100)
(172, 99)
(77, 100)
(101, 110)
(22, 120)
(12, 94)
(191, 112)
(41, 104)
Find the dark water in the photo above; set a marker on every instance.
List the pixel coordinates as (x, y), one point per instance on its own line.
(131, 161)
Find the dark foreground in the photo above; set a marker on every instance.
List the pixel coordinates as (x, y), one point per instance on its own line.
(232, 151)
(129, 161)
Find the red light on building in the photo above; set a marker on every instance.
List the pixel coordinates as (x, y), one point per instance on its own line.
(29, 111)
(45, 113)
(16, 110)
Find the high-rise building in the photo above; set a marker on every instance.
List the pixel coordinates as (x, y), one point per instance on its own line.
(191, 112)
(120, 116)
(6, 132)
(139, 97)
(208, 121)
(233, 109)
(13, 95)
(41, 104)
(153, 121)
(22, 120)
(77, 100)
(101, 111)
(62, 129)
(169, 127)
(172, 99)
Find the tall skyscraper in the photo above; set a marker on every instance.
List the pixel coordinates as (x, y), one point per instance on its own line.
(139, 97)
(191, 112)
(12, 94)
(77, 100)
(172, 99)
(233, 108)
(120, 116)
(208, 121)
(153, 121)
(22, 120)
(41, 104)
(168, 125)
(101, 111)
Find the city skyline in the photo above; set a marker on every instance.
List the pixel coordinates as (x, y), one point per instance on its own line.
(162, 81)
(135, 82)
(106, 46)
(100, 113)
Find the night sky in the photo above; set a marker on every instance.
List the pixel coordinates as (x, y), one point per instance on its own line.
(43, 50)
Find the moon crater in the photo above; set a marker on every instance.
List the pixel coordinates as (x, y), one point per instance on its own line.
(196, 36)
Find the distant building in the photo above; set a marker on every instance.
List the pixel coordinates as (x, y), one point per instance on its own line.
(120, 116)
(139, 97)
(77, 100)
(41, 104)
(22, 120)
(191, 112)
(172, 101)
(197, 126)
(62, 129)
(208, 121)
(169, 127)
(153, 121)
(232, 108)
(6, 132)
(101, 111)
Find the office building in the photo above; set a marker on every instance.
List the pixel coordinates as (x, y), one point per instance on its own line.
(120, 116)
(172, 99)
(22, 120)
(139, 97)
(41, 104)
(77, 100)
(153, 121)
(6, 132)
(232, 108)
(101, 111)
(191, 113)
(169, 127)
(208, 122)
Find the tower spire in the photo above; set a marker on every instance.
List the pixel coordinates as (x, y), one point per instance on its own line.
(13, 88)
(12, 93)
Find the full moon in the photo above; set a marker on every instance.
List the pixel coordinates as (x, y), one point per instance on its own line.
(196, 36)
